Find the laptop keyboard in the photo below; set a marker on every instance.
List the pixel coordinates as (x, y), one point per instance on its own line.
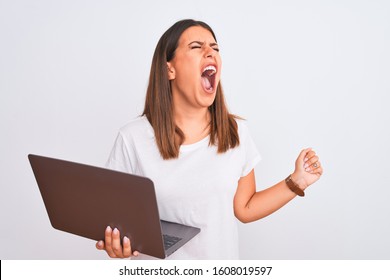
(170, 240)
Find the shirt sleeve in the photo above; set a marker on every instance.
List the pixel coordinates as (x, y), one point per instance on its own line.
(252, 155)
(121, 158)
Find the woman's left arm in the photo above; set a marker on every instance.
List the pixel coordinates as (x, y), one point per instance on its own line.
(250, 205)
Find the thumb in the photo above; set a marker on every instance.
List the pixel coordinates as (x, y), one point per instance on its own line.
(100, 245)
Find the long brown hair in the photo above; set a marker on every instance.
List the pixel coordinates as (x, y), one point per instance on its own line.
(159, 106)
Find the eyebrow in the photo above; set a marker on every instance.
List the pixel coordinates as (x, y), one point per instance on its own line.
(201, 43)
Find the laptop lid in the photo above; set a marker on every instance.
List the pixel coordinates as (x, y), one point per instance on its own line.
(83, 200)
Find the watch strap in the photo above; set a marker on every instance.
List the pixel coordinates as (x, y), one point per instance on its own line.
(294, 187)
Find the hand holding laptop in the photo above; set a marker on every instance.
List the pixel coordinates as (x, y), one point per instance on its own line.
(73, 194)
(112, 245)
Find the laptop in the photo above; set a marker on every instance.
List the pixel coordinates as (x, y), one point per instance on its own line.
(84, 200)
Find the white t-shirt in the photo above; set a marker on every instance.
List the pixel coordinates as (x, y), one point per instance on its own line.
(196, 189)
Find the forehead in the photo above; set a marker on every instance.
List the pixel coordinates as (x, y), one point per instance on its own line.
(196, 33)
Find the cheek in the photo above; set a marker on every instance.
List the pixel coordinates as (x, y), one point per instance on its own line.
(188, 72)
(186, 79)
(219, 62)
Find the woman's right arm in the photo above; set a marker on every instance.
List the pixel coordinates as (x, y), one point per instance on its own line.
(112, 244)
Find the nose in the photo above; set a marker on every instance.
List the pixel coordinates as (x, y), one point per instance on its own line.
(209, 52)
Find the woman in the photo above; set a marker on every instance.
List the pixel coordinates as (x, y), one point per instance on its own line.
(200, 157)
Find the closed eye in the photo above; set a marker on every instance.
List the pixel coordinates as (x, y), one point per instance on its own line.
(215, 47)
(199, 45)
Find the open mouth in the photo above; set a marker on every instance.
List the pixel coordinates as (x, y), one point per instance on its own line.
(208, 78)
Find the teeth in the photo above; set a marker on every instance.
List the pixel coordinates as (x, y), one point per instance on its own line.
(212, 68)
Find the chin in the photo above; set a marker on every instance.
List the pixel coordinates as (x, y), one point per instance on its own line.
(207, 101)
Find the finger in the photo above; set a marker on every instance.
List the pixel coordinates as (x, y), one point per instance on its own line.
(319, 170)
(301, 157)
(100, 245)
(116, 243)
(309, 155)
(316, 168)
(126, 247)
(108, 242)
(135, 253)
(312, 162)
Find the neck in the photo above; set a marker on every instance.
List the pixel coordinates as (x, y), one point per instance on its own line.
(194, 124)
(184, 117)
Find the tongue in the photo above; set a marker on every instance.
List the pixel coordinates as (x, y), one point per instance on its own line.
(206, 83)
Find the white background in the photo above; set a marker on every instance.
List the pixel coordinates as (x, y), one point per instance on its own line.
(303, 73)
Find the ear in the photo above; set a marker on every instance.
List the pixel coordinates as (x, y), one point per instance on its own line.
(171, 71)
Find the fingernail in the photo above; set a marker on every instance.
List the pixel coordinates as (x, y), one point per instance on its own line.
(307, 169)
(135, 254)
(115, 231)
(306, 165)
(108, 228)
(306, 159)
(126, 239)
(100, 243)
